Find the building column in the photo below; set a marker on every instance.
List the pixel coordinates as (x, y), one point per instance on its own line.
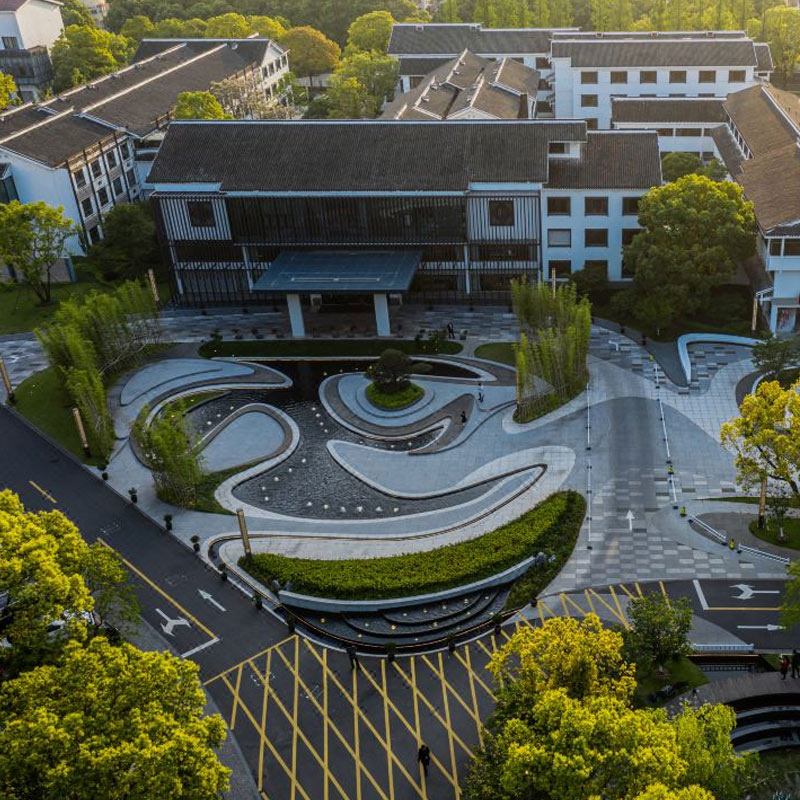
(296, 316)
(382, 315)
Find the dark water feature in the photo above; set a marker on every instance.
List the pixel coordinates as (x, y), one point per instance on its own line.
(310, 483)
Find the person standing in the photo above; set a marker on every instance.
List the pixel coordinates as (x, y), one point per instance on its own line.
(424, 757)
(463, 417)
(796, 663)
(352, 654)
(784, 667)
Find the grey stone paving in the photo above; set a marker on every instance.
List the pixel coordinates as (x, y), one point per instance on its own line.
(250, 437)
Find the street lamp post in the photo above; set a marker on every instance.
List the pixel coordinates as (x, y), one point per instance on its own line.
(244, 532)
(76, 415)
(7, 382)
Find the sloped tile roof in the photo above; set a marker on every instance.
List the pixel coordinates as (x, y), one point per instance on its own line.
(450, 39)
(667, 110)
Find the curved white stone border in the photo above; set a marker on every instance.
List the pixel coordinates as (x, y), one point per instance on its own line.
(484, 473)
(711, 338)
(224, 492)
(365, 405)
(314, 603)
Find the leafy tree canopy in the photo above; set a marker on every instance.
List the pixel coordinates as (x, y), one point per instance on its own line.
(775, 355)
(782, 31)
(128, 247)
(312, 53)
(370, 32)
(110, 722)
(376, 73)
(84, 52)
(228, 26)
(8, 90)
(659, 628)
(199, 105)
(73, 12)
(34, 238)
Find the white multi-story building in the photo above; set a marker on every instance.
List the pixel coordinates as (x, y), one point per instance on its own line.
(91, 147)
(28, 30)
(591, 70)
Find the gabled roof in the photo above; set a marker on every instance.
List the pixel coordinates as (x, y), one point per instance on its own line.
(610, 160)
(657, 109)
(636, 52)
(495, 88)
(133, 99)
(358, 156)
(253, 48)
(451, 39)
(15, 5)
(763, 57)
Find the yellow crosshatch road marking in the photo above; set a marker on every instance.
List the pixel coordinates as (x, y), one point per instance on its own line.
(236, 696)
(589, 601)
(355, 734)
(478, 678)
(325, 721)
(571, 601)
(439, 673)
(294, 718)
(627, 590)
(474, 697)
(263, 729)
(158, 589)
(617, 614)
(43, 492)
(638, 588)
(564, 604)
(388, 728)
(228, 670)
(619, 608)
(664, 592)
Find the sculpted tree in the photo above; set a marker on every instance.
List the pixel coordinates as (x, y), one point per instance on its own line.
(110, 722)
(659, 628)
(34, 238)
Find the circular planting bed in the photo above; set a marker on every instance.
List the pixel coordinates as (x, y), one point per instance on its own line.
(395, 401)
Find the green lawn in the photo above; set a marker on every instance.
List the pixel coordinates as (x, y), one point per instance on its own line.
(791, 529)
(680, 670)
(497, 351)
(558, 519)
(395, 401)
(42, 401)
(324, 348)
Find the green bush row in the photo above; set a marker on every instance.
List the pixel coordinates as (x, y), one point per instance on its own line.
(435, 570)
(401, 399)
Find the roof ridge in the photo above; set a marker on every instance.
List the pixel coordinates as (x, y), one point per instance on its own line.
(39, 124)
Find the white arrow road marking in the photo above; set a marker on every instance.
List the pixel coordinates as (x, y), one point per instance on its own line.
(762, 627)
(170, 623)
(199, 648)
(629, 516)
(746, 592)
(209, 599)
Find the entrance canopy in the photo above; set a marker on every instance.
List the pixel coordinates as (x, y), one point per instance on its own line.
(353, 271)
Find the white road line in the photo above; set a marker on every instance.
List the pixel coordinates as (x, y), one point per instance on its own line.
(199, 648)
(700, 596)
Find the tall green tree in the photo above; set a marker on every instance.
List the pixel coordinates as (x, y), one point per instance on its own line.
(228, 26)
(34, 238)
(110, 722)
(486, 13)
(270, 27)
(448, 11)
(659, 628)
(777, 354)
(370, 32)
(8, 90)
(377, 73)
(696, 232)
(560, 13)
(73, 12)
(347, 98)
(782, 31)
(312, 53)
(129, 246)
(507, 16)
(84, 52)
(137, 28)
(199, 105)
(539, 13)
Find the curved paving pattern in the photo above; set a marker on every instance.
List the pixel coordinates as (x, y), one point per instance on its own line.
(254, 435)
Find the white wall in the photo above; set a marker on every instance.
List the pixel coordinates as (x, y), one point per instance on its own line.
(35, 24)
(577, 223)
(35, 182)
(569, 88)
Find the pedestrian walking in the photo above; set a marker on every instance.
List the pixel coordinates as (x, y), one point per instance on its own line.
(784, 667)
(480, 396)
(451, 331)
(463, 417)
(796, 663)
(424, 757)
(352, 654)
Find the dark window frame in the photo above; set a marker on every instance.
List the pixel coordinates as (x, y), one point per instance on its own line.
(626, 204)
(590, 234)
(201, 213)
(554, 201)
(587, 75)
(615, 76)
(589, 101)
(591, 204)
(502, 213)
(677, 76)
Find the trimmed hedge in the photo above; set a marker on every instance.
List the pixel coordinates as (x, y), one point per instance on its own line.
(407, 397)
(420, 573)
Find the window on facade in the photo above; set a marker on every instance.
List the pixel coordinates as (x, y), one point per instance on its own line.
(80, 178)
(559, 237)
(87, 206)
(630, 206)
(708, 76)
(557, 148)
(588, 78)
(501, 213)
(94, 234)
(791, 247)
(201, 213)
(595, 206)
(737, 76)
(628, 234)
(595, 237)
(591, 124)
(558, 206)
(588, 101)
(619, 76)
(501, 252)
(560, 266)
(97, 169)
(775, 247)
(677, 76)
(111, 159)
(648, 76)
(117, 186)
(102, 197)
(433, 254)
(125, 150)
(597, 264)
(542, 62)
(10, 43)
(131, 176)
